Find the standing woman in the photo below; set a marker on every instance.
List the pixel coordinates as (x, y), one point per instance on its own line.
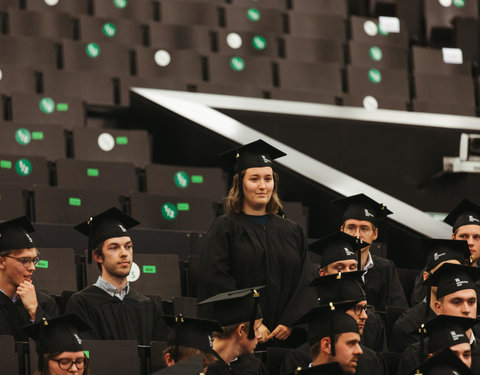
(59, 346)
(251, 245)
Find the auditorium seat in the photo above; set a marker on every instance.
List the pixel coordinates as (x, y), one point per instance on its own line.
(9, 356)
(275, 358)
(24, 170)
(324, 97)
(32, 139)
(247, 43)
(439, 17)
(459, 109)
(151, 274)
(187, 306)
(36, 52)
(466, 37)
(93, 87)
(67, 111)
(119, 357)
(317, 26)
(392, 313)
(367, 30)
(193, 37)
(96, 175)
(127, 82)
(53, 25)
(95, 57)
(170, 212)
(70, 206)
(392, 361)
(185, 181)
(73, 7)
(313, 50)
(430, 61)
(261, 4)
(378, 82)
(458, 90)
(407, 279)
(310, 76)
(184, 65)
(112, 145)
(254, 19)
(297, 213)
(124, 31)
(226, 89)
(17, 78)
(375, 102)
(236, 69)
(330, 7)
(12, 201)
(7, 4)
(140, 10)
(56, 271)
(181, 12)
(192, 274)
(156, 355)
(367, 55)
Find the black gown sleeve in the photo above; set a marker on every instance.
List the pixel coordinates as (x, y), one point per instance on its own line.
(78, 305)
(410, 359)
(46, 307)
(374, 334)
(411, 319)
(419, 290)
(294, 359)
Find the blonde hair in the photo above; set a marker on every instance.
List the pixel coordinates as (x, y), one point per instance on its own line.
(234, 200)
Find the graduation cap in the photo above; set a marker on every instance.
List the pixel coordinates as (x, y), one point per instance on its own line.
(108, 224)
(332, 368)
(450, 278)
(337, 246)
(253, 155)
(191, 366)
(361, 207)
(59, 334)
(444, 363)
(191, 332)
(328, 320)
(438, 251)
(340, 287)
(14, 234)
(445, 331)
(466, 213)
(237, 307)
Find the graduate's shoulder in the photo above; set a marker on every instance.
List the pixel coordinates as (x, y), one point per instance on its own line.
(382, 263)
(43, 298)
(90, 293)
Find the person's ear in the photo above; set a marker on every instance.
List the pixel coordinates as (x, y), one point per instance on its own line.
(325, 345)
(426, 275)
(169, 361)
(2, 263)
(375, 233)
(321, 272)
(240, 330)
(437, 307)
(97, 257)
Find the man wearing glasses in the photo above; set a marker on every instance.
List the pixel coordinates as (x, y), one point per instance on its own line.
(20, 303)
(361, 218)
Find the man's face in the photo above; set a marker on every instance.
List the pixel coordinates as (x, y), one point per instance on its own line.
(248, 345)
(117, 256)
(471, 234)
(347, 351)
(464, 352)
(347, 265)
(462, 303)
(14, 270)
(360, 228)
(358, 313)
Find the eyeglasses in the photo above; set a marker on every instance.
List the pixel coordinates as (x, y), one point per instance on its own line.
(358, 309)
(67, 363)
(27, 262)
(352, 229)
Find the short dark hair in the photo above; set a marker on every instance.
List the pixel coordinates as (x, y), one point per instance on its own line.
(99, 251)
(228, 331)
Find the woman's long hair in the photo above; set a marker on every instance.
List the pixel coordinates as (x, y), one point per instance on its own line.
(42, 367)
(234, 200)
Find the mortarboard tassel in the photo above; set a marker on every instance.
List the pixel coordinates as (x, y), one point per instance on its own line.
(332, 338)
(251, 329)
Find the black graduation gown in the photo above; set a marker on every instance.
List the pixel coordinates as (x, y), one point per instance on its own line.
(14, 315)
(382, 285)
(410, 320)
(246, 364)
(411, 358)
(369, 362)
(135, 318)
(374, 334)
(240, 253)
(419, 290)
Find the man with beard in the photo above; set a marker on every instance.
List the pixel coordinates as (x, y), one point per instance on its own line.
(110, 306)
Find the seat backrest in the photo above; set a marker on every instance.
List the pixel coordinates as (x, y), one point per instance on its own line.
(253, 19)
(12, 202)
(446, 89)
(140, 10)
(275, 357)
(156, 355)
(313, 50)
(33, 139)
(330, 7)
(9, 357)
(37, 52)
(247, 43)
(296, 212)
(17, 78)
(119, 177)
(74, 7)
(185, 181)
(194, 37)
(70, 206)
(112, 145)
(368, 55)
(113, 357)
(189, 13)
(110, 30)
(24, 170)
(378, 82)
(56, 271)
(317, 26)
(368, 30)
(430, 60)
(407, 278)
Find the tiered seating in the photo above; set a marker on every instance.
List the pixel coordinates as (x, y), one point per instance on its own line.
(56, 271)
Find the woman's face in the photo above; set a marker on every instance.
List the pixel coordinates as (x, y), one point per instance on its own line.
(59, 365)
(257, 188)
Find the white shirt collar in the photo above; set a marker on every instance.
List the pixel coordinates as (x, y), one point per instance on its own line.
(368, 265)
